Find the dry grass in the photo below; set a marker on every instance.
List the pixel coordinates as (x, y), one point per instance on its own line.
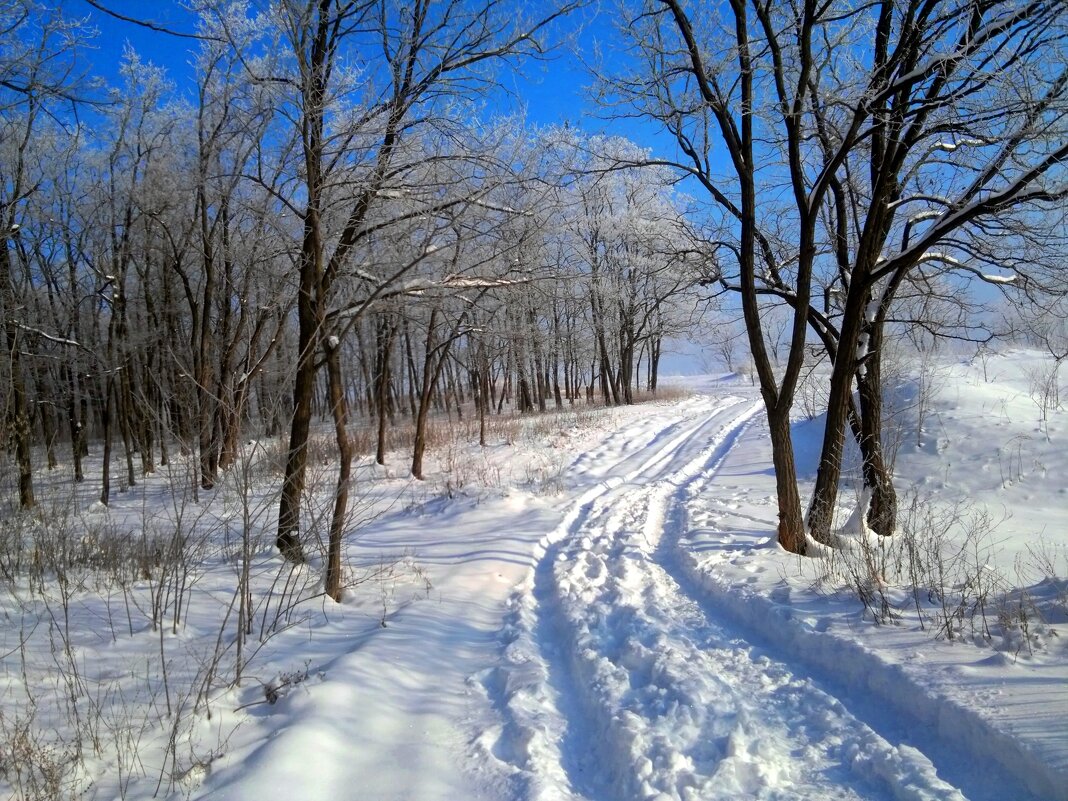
(939, 568)
(445, 430)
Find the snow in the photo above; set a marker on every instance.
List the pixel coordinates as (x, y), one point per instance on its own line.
(957, 264)
(592, 609)
(951, 147)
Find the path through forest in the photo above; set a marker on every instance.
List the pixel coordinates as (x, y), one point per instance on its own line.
(572, 649)
(643, 690)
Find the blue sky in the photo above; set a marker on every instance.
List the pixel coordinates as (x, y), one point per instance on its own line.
(162, 50)
(552, 91)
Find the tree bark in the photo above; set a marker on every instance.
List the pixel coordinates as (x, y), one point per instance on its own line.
(74, 423)
(384, 330)
(308, 314)
(791, 527)
(105, 469)
(19, 412)
(426, 390)
(336, 388)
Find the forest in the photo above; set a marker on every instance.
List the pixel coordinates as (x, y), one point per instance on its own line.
(326, 231)
(303, 245)
(342, 232)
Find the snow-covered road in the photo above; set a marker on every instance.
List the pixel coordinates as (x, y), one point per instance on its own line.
(628, 638)
(621, 683)
(589, 608)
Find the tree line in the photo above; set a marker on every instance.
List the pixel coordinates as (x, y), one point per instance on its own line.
(307, 239)
(330, 229)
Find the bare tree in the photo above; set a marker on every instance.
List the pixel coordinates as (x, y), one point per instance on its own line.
(350, 128)
(917, 130)
(38, 74)
(702, 74)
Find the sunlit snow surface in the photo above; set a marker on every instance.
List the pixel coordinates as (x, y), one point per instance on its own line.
(599, 612)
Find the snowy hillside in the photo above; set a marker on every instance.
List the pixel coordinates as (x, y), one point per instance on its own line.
(592, 607)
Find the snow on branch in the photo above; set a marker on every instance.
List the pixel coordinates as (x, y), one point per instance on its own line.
(473, 282)
(418, 286)
(51, 337)
(422, 286)
(495, 207)
(1023, 189)
(957, 264)
(941, 201)
(924, 216)
(952, 147)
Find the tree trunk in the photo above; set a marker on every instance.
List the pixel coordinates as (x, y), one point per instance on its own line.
(482, 385)
(205, 406)
(558, 399)
(383, 349)
(626, 367)
(19, 412)
(426, 390)
(162, 430)
(49, 430)
(288, 539)
(791, 529)
(74, 423)
(125, 411)
(105, 470)
(825, 493)
(882, 507)
(412, 376)
(654, 364)
(828, 473)
(336, 388)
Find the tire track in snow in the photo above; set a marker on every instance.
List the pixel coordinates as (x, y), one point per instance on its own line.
(531, 689)
(871, 697)
(667, 704)
(902, 772)
(665, 683)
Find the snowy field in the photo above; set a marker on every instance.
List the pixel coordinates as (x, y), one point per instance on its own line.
(591, 608)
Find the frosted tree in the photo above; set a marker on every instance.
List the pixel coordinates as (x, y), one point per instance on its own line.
(39, 75)
(927, 133)
(357, 80)
(631, 248)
